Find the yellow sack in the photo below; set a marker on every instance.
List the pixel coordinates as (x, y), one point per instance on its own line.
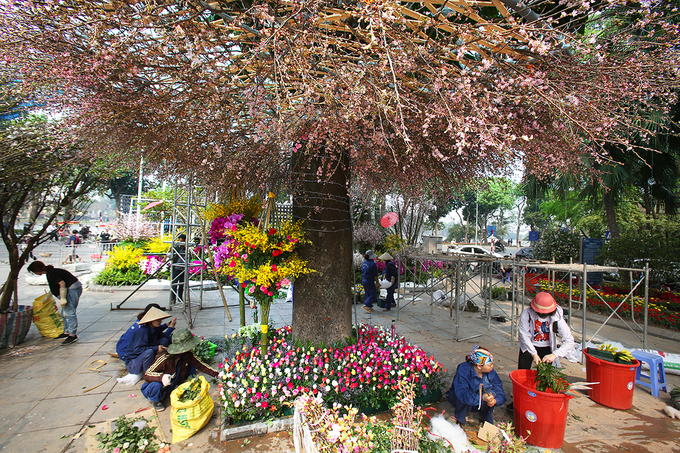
(190, 416)
(46, 317)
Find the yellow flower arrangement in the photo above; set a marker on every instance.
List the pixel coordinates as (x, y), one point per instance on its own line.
(261, 259)
(158, 245)
(124, 257)
(250, 208)
(265, 258)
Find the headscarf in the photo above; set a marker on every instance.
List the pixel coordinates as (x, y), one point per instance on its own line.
(480, 356)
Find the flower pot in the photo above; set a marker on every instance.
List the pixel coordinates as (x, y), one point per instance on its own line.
(542, 416)
(433, 396)
(14, 326)
(373, 410)
(616, 382)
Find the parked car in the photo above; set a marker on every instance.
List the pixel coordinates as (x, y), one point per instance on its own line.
(475, 250)
(525, 253)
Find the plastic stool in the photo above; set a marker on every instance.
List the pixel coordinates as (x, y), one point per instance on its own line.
(657, 372)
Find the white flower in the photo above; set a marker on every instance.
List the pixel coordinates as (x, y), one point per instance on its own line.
(334, 433)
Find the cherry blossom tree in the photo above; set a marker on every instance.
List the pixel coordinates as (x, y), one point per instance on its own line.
(321, 95)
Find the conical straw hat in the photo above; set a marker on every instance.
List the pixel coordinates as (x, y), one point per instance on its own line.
(153, 314)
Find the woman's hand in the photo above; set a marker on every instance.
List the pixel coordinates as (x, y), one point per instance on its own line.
(549, 358)
(489, 399)
(173, 323)
(537, 359)
(161, 349)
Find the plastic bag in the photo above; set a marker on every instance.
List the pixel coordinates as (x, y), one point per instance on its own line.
(46, 317)
(188, 417)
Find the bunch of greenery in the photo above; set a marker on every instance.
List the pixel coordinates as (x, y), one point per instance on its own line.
(549, 377)
(127, 438)
(191, 392)
(675, 397)
(559, 244)
(111, 276)
(205, 351)
(654, 242)
(497, 291)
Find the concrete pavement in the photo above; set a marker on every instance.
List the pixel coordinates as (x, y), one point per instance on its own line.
(44, 404)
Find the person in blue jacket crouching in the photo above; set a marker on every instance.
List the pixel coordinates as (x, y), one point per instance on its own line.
(476, 387)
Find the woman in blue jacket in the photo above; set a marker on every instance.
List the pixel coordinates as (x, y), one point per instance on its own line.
(146, 342)
(369, 279)
(476, 387)
(390, 274)
(164, 330)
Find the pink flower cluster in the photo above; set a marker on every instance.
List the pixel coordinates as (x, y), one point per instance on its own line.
(364, 374)
(221, 225)
(150, 264)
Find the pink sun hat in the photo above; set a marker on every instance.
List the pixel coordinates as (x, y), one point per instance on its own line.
(543, 303)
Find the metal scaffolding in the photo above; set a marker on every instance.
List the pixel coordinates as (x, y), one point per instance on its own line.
(559, 272)
(462, 278)
(188, 255)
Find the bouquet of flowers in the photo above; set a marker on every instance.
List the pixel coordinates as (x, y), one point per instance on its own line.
(261, 260)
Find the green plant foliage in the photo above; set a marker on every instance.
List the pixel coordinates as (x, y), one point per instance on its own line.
(205, 351)
(190, 393)
(127, 438)
(559, 244)
(111, 276)
(140, 244)
(654, 242)
(675, 397)
(550, 378)
(497, 291)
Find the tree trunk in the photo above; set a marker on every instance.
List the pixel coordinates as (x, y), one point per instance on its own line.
(465, 223)
(10, 286)
(117, 200)
(608, 202)
(322, 300)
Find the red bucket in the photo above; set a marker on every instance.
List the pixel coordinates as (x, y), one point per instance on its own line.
(541, 416)
(616, 382)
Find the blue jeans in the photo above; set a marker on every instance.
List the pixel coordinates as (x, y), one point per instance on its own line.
(142, 362)
(154, 391)
(371, 293)
(389, 301)
(69, 311)
(460, 409)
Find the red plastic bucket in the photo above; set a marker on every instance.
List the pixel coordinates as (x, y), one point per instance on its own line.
(616, 382)
(541, 416)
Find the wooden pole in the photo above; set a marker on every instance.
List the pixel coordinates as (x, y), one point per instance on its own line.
(214, 271)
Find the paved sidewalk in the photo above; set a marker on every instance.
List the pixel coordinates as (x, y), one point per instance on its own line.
(43, 403)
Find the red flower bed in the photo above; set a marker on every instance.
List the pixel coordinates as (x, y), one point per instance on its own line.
(664, 306)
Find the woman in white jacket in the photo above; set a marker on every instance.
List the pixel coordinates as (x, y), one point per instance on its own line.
(538, 328)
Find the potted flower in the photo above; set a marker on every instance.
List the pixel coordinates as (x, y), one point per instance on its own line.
(541, 405)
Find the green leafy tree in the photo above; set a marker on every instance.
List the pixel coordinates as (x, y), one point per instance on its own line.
(655, 242)
(559, 244)
(42, 166)
(491, 203)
